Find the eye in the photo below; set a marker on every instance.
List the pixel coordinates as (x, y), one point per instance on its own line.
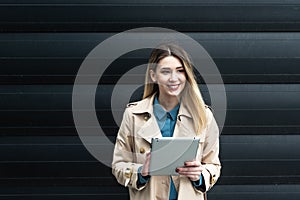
(181, 70)
(165, 71)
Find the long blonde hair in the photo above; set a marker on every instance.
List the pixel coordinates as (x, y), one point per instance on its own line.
(191, 96)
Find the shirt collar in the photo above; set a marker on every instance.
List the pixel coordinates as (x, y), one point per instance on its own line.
(161, 113)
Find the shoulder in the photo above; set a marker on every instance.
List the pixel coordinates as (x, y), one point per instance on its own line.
(138, 107)
(131, 105)
(211, 122)
(129, 111)
(208, 110)
(135, 104)
(209, 114)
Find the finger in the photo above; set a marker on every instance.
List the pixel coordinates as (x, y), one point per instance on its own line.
(192, 163)
(148, 157)
(189, 169)
(192, 176)
(194, 171)
(146, 165)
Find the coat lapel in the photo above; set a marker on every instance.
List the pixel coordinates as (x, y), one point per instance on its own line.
(149, 127)
(184, 126)
(150, 130)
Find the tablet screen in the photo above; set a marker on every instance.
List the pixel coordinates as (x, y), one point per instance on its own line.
(168, 153)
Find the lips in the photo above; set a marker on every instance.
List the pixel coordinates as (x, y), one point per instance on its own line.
(173, 87)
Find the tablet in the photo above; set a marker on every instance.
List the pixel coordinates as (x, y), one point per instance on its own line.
(168, 153)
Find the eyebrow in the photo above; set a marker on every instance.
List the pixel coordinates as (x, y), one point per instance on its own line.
(169, 67)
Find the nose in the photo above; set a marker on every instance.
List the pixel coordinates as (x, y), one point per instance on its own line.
(173, 77)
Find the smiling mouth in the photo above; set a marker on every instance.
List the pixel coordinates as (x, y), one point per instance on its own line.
(173, 86)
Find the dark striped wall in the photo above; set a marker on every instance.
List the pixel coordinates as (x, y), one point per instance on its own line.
(255, 44)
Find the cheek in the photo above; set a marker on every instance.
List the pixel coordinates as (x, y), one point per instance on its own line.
(183, 78)
(162, 79)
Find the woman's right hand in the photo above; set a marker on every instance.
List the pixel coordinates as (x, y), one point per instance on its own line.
(146, 165)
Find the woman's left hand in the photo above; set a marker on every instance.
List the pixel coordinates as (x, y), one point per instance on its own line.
(191, 169)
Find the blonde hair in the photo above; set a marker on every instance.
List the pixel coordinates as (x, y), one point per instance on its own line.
(191, 96)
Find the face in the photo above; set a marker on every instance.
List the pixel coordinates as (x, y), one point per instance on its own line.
(170, 77)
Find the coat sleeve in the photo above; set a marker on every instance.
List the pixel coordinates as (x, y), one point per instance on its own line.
(210, 155)
(123, 166)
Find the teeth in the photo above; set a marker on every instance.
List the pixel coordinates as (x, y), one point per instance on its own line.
(173, 86)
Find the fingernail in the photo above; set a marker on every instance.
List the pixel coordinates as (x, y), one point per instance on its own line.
(177, 170)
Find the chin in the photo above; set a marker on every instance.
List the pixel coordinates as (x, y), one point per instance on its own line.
(175, 94)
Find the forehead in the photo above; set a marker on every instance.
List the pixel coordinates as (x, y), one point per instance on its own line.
(170, 62)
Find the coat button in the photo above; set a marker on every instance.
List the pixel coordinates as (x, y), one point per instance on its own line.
(128, 173)
(213, 179)
(142, 150)
(147, 116)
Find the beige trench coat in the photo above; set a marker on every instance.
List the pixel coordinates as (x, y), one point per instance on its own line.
(133, 141)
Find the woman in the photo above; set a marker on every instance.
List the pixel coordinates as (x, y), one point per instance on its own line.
(172, 106)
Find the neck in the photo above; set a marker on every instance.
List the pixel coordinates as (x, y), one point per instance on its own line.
(168, 103)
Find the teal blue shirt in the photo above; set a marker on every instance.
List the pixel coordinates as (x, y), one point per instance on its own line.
(166, 120)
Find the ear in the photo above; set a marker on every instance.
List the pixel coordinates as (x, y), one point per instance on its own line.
(153, 76)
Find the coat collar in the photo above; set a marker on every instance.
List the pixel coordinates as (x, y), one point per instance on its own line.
(146, 106)
(150, 128)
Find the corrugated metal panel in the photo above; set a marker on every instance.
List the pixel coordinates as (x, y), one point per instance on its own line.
(255, 45)
(103, 16)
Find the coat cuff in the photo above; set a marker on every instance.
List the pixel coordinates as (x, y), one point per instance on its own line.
(135, 177)
(209, 179)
